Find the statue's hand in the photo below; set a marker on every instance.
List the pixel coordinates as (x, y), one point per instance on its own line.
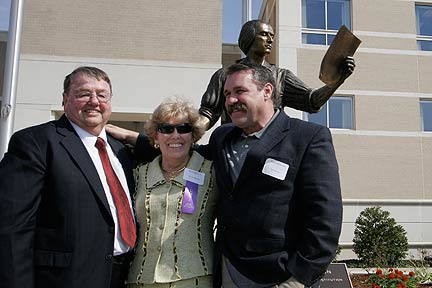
(211, 109)
(347, 68)
(203, 121)
(124, 135)
(320, 96)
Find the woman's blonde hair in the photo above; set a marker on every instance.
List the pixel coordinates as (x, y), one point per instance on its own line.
(169, 109)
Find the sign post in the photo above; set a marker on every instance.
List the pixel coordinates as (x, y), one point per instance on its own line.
(336, 276)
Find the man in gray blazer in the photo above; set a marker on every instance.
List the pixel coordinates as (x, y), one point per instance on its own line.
(60, 225)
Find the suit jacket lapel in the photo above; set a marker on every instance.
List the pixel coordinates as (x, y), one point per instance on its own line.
(273, 135)
(77, 151)
(222, 156)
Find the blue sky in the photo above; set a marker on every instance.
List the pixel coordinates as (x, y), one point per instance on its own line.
(232, 17)
(4, 14)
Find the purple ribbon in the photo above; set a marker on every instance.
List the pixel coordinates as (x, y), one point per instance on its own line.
(190, 197)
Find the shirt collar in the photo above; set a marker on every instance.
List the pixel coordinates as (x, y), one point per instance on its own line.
(87, 137)
(261, 132)
(155, 175)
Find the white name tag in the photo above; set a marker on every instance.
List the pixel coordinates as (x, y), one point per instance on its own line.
(194, 176)
(275, 168)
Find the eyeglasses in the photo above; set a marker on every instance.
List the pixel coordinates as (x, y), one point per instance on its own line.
(169, 128)
(86, 96)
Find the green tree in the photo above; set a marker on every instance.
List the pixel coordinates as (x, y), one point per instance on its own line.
(378, 240)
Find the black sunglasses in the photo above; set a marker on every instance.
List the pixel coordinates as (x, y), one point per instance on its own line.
(169, 128)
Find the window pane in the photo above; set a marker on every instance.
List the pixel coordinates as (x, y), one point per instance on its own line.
(426, 114)
(232, 18)
(424, 45)
(313, 14)
(338, 14)
(320, 117)
(256, 7)
(5, 6)
(314, 17)
(313, 39)
(424, 20)
(340, 113)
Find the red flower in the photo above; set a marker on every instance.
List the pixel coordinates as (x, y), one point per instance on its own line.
(405, 278)
(397, 275)
(411, 274)
(379, 271)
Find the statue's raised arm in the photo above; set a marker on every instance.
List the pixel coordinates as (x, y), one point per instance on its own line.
(256, 41)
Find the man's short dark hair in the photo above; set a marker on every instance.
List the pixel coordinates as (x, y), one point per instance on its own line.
(88, 71)
(261, 75)
(248, 33)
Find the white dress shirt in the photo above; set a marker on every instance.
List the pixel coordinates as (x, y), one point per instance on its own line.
(89, 141)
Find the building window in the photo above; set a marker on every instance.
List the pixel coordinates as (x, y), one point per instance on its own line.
(424, 27)
(336, 113)
(321, 19)
(232, 18)
(426, 115)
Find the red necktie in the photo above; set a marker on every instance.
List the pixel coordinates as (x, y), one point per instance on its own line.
(127, 226)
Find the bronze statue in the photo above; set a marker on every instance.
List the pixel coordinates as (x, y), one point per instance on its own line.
(256, 41)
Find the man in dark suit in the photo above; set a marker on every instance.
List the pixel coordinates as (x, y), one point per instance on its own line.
(60, 221)
(280, 210)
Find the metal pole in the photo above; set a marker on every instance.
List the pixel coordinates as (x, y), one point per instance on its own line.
(247, 11)
(11, 74)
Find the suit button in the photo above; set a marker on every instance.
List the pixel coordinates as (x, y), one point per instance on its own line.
(159, 248)
(161, 227)
(108, 257)
(163, 205)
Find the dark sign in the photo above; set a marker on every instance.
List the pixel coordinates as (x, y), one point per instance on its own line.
(336, 276)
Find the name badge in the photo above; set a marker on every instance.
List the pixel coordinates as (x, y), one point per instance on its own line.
(275, 168)
(193, 179)
(193, 176)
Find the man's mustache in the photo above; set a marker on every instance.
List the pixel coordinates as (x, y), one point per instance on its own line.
(237, 107)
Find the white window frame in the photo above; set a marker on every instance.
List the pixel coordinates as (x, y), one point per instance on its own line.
(326, 32)
(420, 37)
(328, 112)
(424, 100)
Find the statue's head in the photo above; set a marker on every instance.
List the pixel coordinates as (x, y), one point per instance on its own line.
(249, 32)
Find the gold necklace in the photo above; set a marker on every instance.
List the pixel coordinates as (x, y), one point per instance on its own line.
(172, 174)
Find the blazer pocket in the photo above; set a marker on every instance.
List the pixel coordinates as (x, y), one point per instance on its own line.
(265, 245)
(52, 258)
